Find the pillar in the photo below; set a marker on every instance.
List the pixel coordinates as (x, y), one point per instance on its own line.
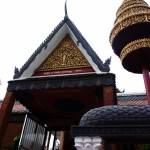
(62, 136)
(114, 146)
(5, 112)
(68, 142)
(88, 143)
(146, 78)
(108, 96)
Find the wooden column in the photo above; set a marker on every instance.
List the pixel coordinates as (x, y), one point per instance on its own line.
(62, 136)
(5, 112)
(114, 146)
(68, 142)
(146, 78)
(108, 97)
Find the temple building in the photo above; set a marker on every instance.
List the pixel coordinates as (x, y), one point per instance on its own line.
(65, 98)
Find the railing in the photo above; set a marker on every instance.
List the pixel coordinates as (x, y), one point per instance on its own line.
(33, 135)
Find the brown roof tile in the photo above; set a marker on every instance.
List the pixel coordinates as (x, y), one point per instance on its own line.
(17, 107)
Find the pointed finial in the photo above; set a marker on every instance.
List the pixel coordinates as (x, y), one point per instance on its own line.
(16, 73)
(66, 14)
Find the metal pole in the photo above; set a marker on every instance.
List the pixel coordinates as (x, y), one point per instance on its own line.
(54, 141)
(146, 81)
(46, 134)
(23, 130)
(49, 138)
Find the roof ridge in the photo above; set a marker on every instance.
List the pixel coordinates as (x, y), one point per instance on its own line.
(128, 94)
(39, 49)
(104, 67)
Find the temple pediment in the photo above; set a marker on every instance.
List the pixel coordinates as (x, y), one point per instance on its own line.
(65, 51)
(66, 58)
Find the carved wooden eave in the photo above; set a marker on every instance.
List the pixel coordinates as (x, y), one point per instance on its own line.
(63, 96)
(66, 27)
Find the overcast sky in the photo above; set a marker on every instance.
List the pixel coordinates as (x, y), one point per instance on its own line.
(25, 24)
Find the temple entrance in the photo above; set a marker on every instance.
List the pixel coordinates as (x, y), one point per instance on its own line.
(61, 81)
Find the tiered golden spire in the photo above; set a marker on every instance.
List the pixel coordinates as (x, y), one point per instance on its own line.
(129, 13)
(130, 38)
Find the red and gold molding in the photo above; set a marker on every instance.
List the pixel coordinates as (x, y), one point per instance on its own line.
(60, 72)
(65, 56)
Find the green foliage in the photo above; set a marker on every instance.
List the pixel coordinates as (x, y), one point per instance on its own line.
(145, 147)
(15, 143)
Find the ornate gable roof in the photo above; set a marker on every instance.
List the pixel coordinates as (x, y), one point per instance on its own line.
(65, 27)
(66, 58)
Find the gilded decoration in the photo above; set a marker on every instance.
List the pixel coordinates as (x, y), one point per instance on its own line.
(129, 3)
(65, 56)
(132, 10)
(131, 20)
(130, 13)
(135, 45)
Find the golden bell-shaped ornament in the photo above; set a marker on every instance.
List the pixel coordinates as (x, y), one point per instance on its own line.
(130, 36)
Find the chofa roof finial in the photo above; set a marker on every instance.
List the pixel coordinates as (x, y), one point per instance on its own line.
(66, 13)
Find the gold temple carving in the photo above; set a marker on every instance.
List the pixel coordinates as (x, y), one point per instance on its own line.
(140, 18)
(135, 45)
(65, 56)
(131, 12)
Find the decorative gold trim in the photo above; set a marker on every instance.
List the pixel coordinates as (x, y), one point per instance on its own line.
(132, 10)
(131, 20)
(65, 56)
(125, 1)
(128, 4)
(135, 45)
(130, 7)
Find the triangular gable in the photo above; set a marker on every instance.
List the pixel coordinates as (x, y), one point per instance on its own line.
(66, 58)
(45, 49)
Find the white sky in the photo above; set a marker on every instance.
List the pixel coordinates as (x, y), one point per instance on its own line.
(25, 24)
